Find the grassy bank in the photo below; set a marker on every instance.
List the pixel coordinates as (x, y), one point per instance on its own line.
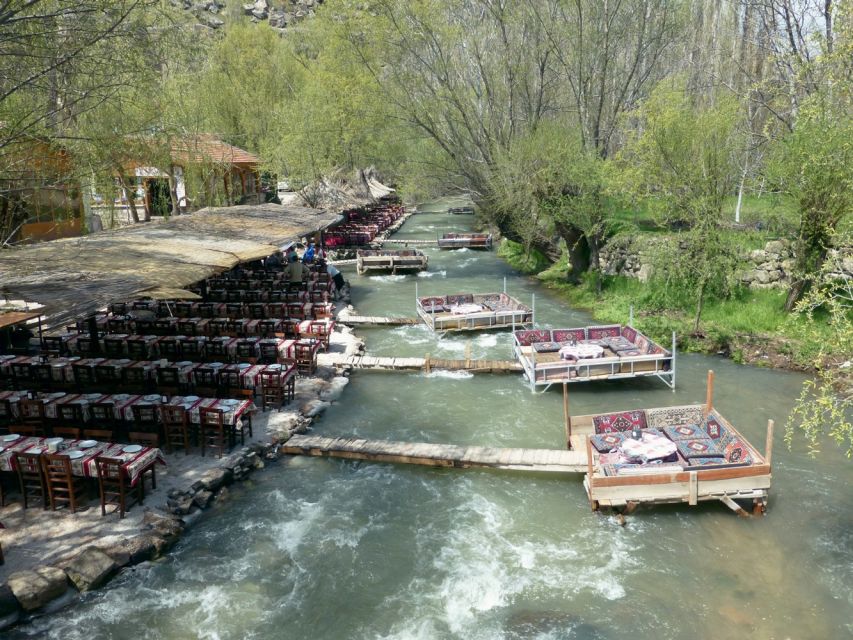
(751, 326)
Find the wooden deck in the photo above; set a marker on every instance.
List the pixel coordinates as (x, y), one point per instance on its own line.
(439, 455)
(387, 363)
(413, 243)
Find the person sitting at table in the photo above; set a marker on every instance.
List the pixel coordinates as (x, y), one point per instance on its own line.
(296, 270)
(273, 261)
(308, 256)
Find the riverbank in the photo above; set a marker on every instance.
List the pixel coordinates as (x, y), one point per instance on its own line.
(750, 328)
(52, 557)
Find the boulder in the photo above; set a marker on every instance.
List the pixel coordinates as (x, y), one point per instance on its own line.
(10, 608)
(133, 550)
(91, 568)
(202, 499)
(758, 256)
(775, 247)
(34, 589)
(216, 478)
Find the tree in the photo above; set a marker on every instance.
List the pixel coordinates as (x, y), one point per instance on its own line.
(685, 155)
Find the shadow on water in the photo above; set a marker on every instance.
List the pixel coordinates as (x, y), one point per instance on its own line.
(326, 549)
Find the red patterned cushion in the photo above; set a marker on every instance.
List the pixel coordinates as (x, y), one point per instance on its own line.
(460, 298)
(596, 333)
(567, 335)
(629, 333)
(529, 336)
(736, 451)
(714, 429)
(623, 421)
(699, 448)
(434, 301)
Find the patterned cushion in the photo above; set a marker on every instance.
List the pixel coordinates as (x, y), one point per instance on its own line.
(629, 333)
(642, 343)
(653, 349)
(674, 416)
(610, 331)
(565, 335)
(628, 353)
(623, 421)
(606, 442)
(685, 432)
(546, 347)
(460, 298)
(714, 429)
(717, 463)
(529, 336)
(435, 301)
(736, 451)
(699, 448)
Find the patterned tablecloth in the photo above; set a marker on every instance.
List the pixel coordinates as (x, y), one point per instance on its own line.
(232, 409)
(581, 350)
(134, 462)
(650, 447)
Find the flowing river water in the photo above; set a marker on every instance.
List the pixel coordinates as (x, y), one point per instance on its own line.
(329, 549)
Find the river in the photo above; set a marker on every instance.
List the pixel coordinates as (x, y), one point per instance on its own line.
(329, 549)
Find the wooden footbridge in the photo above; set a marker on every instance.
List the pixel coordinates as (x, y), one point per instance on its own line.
(427, 363)
(439, 455)
(377, 321)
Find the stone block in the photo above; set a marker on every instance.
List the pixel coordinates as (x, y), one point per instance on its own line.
(10, 608)
(34, 589)
(202, 499)
(91, 568)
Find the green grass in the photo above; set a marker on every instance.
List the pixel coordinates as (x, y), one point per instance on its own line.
(527, 262)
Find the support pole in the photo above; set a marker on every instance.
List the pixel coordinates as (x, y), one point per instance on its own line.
(768, 447)
(709, 392)
(566, 416)
(631, 316)
(426, 363)
(468, 355)
(533, 310)
(672, 363)
(504, 284)
(589, 480)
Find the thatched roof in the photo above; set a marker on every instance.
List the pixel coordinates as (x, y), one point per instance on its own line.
(77, 276)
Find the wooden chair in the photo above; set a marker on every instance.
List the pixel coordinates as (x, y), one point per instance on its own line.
(231, 385)
(42, 377)
(251, 295)
(70, 415)
(109, 378)
(22, 375)
(273, 392)
(114, 486)
(116, 324)
(206, 382)
(267, 328)
(6, 416)
(169, 349)
(30, 477)
(84, 377)
(137, 349)
(191, 349)
(306, 360)
(146, 418)
(234, 309)
(102, 435)
(187, 327)
(70, 433)
(114, 347)
(269, 352)
(54, 346)
(168, 381)
(61, 488)
(135, 379)
(176, 428)
(247, 351)
(118, 308)
(183, 310)
(86, 346)
(257, 310)
(206, 309)
(216, 351)
(214, 432)
(163, 327)
(31, 420)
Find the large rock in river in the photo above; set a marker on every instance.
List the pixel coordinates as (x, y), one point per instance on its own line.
(36, 588)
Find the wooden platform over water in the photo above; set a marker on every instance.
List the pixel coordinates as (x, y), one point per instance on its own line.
(388, 363)
(376, 321)
(439, 455)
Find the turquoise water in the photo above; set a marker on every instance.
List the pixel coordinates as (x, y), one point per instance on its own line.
(315, 548)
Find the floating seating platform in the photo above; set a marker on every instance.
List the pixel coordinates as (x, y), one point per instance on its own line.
(388, 260)
(439, 455)
(465, 240)
(473, 312)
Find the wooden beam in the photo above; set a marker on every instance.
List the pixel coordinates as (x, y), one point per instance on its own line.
(768, 447)
(734, 506)
(709, 392)
(693, 485)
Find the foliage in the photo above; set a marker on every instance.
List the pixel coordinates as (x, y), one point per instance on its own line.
(524, 260)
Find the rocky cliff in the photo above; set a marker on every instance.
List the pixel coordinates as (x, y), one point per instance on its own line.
(279, 14)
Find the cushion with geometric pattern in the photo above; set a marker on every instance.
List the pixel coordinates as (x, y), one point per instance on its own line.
(699, 448)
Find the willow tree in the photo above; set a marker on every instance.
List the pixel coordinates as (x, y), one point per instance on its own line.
(685, 155)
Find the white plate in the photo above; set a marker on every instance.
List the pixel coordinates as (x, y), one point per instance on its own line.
(58, 394)
(74, 454)
(191, 398)
(124, 360)
(231, 402)
(53, 440)
(184, 363)
(216, 364)
(11, 437)
(36, 450)
(152, 397)
(86, 444)
(121, 396)
(244, 365)
(132, 448)
(93, 396)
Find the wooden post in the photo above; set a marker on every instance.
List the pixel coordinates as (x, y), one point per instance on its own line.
(709, 392)
(589, 472)
(426, 363)
(468, 355)
(566, 416)
(768, 448)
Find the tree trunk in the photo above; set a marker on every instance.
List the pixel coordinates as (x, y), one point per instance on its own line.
(594, 243)
(131, 197)
(700, 301)
(795, 292)
(578, 248)
(173, 193)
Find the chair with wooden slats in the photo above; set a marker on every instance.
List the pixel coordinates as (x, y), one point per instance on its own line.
(137, 349)
(31, 418)
(176, 428)
(109, 378)
(30, 477)
(84, 377)
(61, 487)
(214, 432)
(114, 486)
